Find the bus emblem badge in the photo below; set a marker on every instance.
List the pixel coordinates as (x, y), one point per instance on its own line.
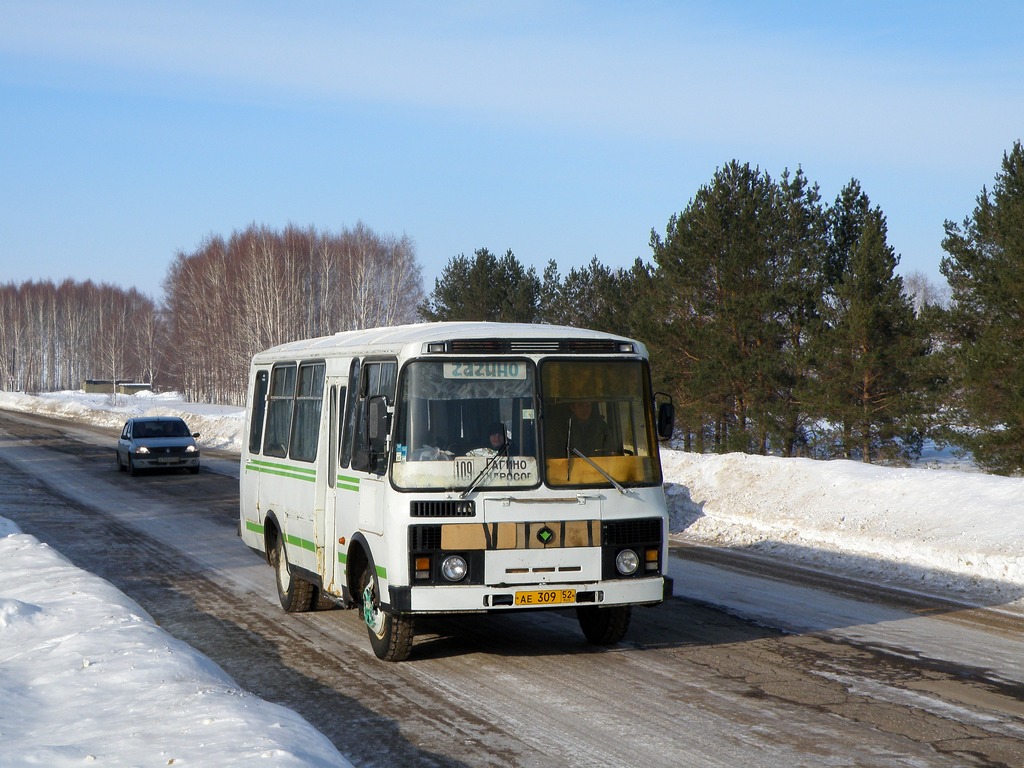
(545, 535)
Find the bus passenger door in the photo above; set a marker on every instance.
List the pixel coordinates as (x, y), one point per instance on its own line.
(336, 489)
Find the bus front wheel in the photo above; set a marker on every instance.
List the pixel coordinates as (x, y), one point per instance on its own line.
(604, 626)
(294, 593)
(390, 634)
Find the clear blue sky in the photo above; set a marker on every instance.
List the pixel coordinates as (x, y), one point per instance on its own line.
(130, 131)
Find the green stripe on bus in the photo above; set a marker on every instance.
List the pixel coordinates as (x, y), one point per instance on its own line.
(282, 470)
(382, 573)
(254, 527)
(274, 464)
(347, 483)
(300, 542)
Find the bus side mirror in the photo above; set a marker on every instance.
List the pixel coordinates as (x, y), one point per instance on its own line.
(666, 417)
(377, 424)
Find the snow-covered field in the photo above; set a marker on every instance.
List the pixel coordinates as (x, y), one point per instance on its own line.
(938, 530)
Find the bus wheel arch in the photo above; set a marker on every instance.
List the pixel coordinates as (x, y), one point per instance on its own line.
(271, 533)
(355, 563)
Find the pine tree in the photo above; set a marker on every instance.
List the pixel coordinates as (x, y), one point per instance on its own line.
(985, 270)
(717, 270)
(800, 242)
(869, 346)
(485, 287)
(595, 296)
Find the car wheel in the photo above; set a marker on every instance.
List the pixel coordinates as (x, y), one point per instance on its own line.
(117, 458)
(132, 470)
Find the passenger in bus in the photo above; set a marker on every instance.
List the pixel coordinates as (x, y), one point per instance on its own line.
(588, 432)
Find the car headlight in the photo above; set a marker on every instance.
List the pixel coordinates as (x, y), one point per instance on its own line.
(626, 562)
(191, 449)
(454, 568)
(142, 449)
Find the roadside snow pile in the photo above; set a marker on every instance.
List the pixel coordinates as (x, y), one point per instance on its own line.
(952, 530)
(87, 677)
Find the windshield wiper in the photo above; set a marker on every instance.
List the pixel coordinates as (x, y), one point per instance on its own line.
(487, 467)
(604, 474)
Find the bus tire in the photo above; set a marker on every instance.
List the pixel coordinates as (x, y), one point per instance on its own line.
(604, 626)
(295, 594)
(390, 634)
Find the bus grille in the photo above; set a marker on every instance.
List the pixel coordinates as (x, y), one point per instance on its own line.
(424, 538)
(626, 532)
(443, 508)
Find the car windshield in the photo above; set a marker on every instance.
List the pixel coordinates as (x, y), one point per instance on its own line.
(156, 429)
(466, 423)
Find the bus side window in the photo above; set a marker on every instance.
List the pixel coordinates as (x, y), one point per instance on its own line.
(336, 424)
(350, 421)
(279, 410)
(308, 403)
(259, 410)
(338, 417)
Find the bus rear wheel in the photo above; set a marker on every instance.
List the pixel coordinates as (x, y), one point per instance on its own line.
(390, 634)
(294, 593)
(604, 626)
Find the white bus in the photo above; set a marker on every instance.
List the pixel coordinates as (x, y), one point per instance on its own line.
(458, 468)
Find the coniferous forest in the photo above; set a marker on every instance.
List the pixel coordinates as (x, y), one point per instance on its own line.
(776, 320)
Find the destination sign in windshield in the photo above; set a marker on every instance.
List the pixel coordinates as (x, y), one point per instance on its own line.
(486, 369)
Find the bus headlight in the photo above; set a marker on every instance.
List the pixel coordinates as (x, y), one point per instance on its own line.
(454, 568)
(627, 562)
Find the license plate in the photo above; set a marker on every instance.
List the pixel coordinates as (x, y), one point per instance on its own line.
(546, 597)
(167, 460)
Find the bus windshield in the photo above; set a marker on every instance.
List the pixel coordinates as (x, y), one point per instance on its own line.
(479, 424)
(598, 425)
(466, 423)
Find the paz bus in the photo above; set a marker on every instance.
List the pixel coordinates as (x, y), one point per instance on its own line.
(458, 468)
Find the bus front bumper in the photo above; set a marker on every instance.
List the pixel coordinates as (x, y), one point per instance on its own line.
(475, 598)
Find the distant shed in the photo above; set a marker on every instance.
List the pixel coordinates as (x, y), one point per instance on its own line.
(106, 386)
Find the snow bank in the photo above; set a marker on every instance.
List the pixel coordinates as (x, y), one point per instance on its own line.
(954, 530)
(87, 677)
